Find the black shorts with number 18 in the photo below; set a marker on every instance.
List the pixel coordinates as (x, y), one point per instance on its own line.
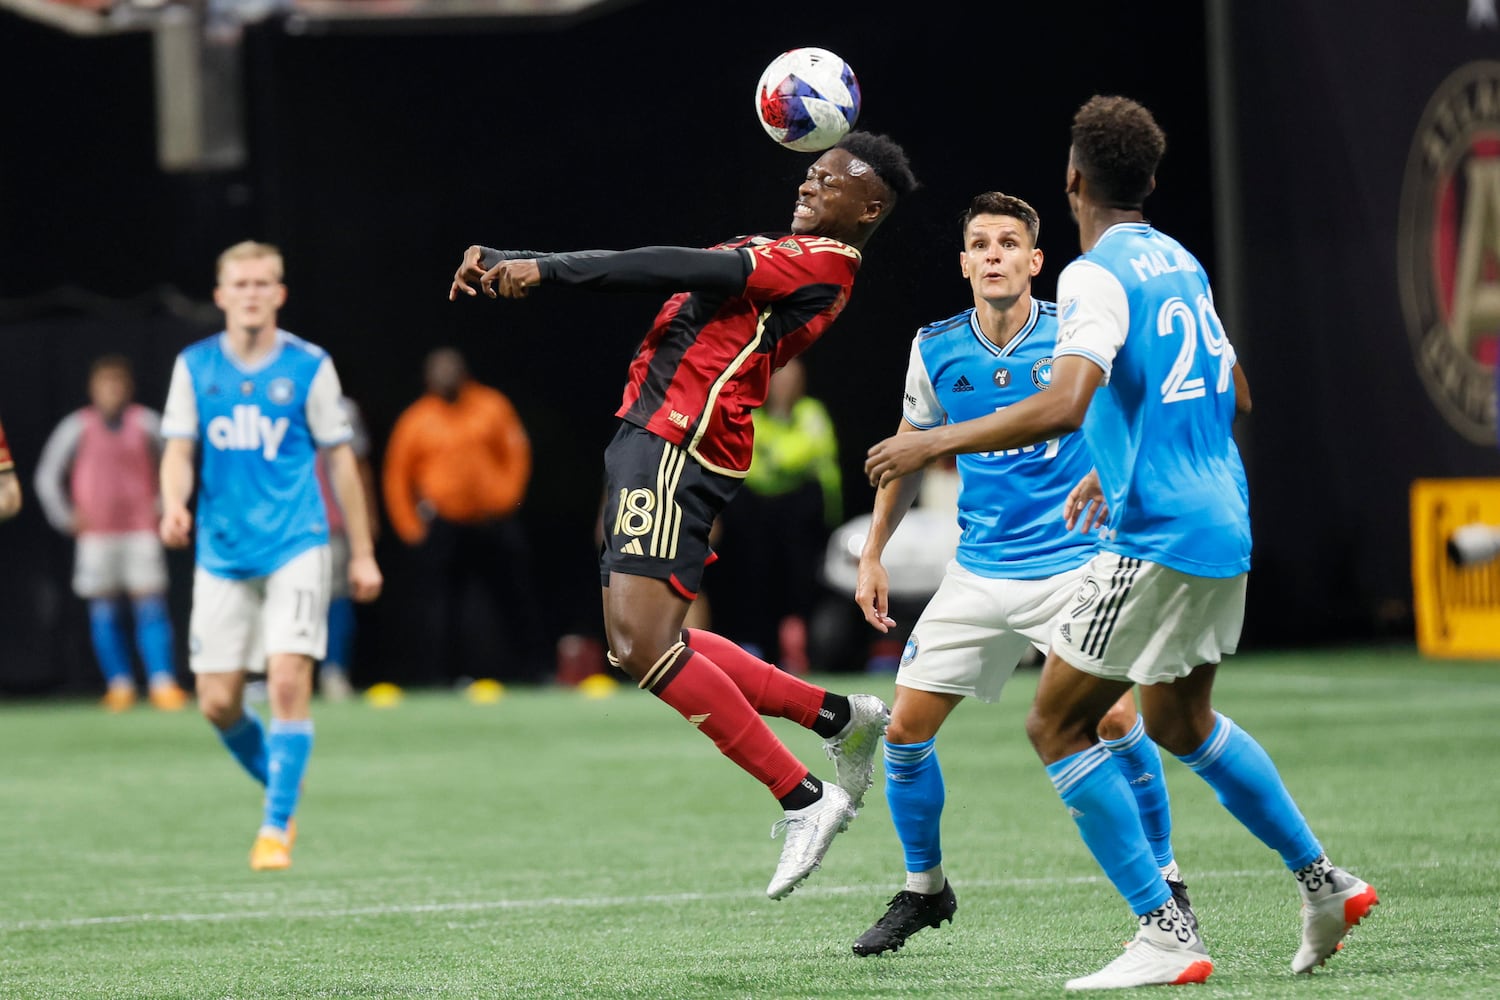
(659, 506)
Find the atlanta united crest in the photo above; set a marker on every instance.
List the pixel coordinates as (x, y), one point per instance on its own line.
(1448, 250)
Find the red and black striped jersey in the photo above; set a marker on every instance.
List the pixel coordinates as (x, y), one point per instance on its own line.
(707, 361)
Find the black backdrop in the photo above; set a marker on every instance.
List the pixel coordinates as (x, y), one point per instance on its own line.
(1342, 424)
(375, 158)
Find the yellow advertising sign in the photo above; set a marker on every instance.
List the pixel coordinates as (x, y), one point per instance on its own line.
(1457, 608)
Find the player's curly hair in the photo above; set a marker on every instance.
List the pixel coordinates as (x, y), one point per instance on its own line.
(1117, 146)
(997, 203)
(886, 158)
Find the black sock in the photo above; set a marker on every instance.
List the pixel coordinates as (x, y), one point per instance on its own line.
(808, 791)
(833, 715)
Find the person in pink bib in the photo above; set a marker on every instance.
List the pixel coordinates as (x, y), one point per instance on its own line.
(97, 483)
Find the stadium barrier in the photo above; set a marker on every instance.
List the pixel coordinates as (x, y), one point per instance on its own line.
(1457, 607)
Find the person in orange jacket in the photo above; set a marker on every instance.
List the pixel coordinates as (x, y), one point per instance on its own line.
(456, 470)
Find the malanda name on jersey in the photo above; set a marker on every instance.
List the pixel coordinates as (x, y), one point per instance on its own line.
(1010, 503)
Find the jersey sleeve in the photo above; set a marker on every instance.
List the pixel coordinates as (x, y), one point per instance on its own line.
(326, 417)
(1093, 314)
(787, 265)
(920, 406)
(179, 417)
(661, 269)
(52, 471)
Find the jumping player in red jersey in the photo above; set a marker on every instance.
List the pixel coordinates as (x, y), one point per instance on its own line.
(10, 484)
(740, 310)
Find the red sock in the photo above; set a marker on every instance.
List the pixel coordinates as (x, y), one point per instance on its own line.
(695, 686)
(771, 690)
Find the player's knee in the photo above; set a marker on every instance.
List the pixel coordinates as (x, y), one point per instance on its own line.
(1117, 723)
(1055, 735)
(219, 709)
(636, 654)
(904, 731)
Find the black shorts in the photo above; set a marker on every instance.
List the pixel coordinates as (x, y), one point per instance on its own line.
(659, 505)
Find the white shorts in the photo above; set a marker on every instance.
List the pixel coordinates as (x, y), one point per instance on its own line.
(975, 629)
(236, 624)
(338, 565)
(130, 562)
(1140, 621)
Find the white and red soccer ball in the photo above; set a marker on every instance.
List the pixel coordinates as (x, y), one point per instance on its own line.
(807, 99)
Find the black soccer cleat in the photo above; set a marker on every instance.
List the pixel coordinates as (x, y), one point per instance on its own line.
(1179, 893)
(908, 913)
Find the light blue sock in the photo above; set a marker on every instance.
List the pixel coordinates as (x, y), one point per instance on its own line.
(289, 746)
(340, 632)
(915, 793)
(111, 646)
(1099, 800)
(153, 638)
(1248, 785)
(246, 741)
(1139, 761)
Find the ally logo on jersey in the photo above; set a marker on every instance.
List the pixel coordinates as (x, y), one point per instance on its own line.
(246, 428)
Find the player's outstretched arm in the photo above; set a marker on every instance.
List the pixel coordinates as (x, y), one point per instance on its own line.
(512, 274)
(892, 501)
(176, 488)
(365, 580)
(1059, 410)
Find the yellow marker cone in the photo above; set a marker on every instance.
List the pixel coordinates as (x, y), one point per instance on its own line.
(384, 695)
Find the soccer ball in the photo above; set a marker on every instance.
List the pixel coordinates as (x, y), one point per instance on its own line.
(807, 99)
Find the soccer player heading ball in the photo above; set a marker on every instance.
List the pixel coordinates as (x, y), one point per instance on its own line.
(737, 312)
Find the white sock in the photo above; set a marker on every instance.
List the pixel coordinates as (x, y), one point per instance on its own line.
(1167, 926)
(1170, 872)
(928, 883)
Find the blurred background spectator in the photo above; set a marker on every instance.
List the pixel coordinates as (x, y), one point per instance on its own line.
(97, 483)
(774, 530)
(456, 470)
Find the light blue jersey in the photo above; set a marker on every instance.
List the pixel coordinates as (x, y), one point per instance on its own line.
(1139, 306)
(1010, 503)
(259, 429)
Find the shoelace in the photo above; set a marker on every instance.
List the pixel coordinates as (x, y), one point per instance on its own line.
(786, 821)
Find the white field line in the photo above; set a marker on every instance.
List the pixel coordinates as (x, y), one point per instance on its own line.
(580, 902)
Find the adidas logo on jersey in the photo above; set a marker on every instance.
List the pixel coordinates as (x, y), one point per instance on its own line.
(248, 430)
(963, 385)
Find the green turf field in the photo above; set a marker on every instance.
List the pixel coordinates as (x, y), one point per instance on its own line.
(554, 846)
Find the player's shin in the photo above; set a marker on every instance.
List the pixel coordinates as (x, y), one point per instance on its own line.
(246, 742)
(153, 638)
(704, 695)
(771, 690)
(1241, 773)
(1139, 761)
(915, 792)
(1105, 812)
(289, 746)
(111, 647)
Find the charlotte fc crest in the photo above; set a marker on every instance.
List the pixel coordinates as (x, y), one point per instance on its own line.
(1448, 249)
